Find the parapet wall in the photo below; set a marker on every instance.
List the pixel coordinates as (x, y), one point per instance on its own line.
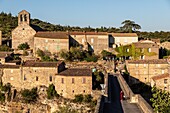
(134, 98)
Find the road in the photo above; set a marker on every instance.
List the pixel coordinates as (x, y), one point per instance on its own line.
(114, 104)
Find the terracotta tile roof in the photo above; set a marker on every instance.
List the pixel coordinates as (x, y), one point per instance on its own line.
(166, 75)
(4, 54)
(9, 66)
(124, 34)
(155, 61)
(76, 72)
(88, 33)
(53, 35)
(30, 63)
(145, 45)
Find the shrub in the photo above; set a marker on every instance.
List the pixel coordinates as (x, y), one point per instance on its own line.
(40, 53)
(29, 95)
(23, 46)
(87, 98)
(25, 53)
(2, 97)
(78, 98)
(51, 92)
(5, 48)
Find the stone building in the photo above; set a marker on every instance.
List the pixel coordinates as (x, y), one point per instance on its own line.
(23, 32)
(149, 48)
(161, 81)
(74, 81)
(123, 38)
(68, 82)
(53, 42)
(144, 70)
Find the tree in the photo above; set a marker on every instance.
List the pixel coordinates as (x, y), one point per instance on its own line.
(66, 109)
(23, 46)
(160, 100)
(51, 92)
(29, 95)
(5, 48)
(87, 98)
(78, 98)
(130, 26)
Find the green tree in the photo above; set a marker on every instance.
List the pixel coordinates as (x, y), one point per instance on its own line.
(130, 26)
(23, 46)
(87, 98)
(78, 98)
(51, 92)
(29, 95)
(160, 100)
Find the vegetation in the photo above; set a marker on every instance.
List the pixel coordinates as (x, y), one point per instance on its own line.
(51, 92)
(66, 109)
(5, 48)
(130, 26)
(76, 54)
(23, 46)
(29, 96)
(97, 79)
(44, 56)
(9, 22)
(83, 98)
(2, 97)
(160, 100)
(133, 52)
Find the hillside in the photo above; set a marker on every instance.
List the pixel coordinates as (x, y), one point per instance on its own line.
(9, 22)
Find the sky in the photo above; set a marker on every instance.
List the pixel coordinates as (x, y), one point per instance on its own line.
(151, 15)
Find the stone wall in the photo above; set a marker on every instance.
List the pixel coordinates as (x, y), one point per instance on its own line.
(68, 89)
(21, 34)
(0, 37)
(50, 44)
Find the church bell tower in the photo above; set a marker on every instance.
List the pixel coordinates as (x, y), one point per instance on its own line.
(23, 17)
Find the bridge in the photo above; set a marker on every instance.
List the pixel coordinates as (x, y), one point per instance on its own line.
(110, 101)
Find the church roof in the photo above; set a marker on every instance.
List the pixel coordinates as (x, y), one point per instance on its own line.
(53, 35)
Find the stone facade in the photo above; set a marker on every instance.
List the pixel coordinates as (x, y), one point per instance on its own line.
(53, 42)
(161, 81)
(144, 70)
(149, 48)
(0, 37)
(74, 81)
(23, 32)
(68, 82)
(124, 38)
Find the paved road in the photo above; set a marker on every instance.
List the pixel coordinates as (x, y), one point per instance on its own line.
(114, 106)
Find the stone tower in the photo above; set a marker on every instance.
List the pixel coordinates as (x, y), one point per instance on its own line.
(23, 32)
(23, 17)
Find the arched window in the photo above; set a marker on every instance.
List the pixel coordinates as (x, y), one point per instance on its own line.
(25, 17)
(21, 18)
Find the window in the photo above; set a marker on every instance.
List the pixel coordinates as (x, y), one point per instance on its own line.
(165, 81)
(92, 40)
(11, 70)
(84, 91)
(11, 78)
(51, 78)
(84, 80)
(62, 80)
(137, 65)
(36, 78)
(142, 57)
(72, 80)
(21, 18)
(82, 40)
(25, 77)
(144, 65)
(25, 17)
(149, 49)
(163, 71)
(73, 91)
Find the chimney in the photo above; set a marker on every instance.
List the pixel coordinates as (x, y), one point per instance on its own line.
(0, 37)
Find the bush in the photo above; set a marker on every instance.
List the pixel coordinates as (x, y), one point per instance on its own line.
(78, 98)
(51, 92)
(40, 53)
(87, 98)
(5, 48)
(25, 53)
(23, 46)
(29, 95)
(2, 97)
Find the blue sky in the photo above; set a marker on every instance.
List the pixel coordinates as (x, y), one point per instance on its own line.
(152, 15)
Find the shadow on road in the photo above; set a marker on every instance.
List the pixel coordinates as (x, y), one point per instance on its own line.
(114, 106)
